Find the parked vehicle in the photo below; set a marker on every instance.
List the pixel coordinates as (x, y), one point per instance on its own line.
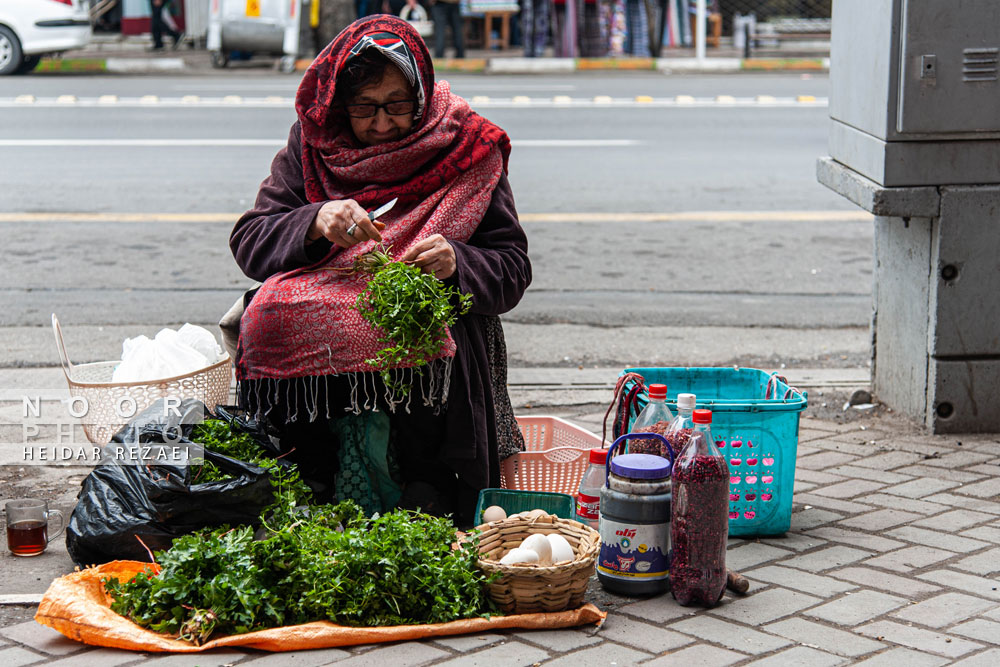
(30, 29)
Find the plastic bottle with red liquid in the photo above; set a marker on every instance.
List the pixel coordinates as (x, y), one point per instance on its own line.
(588, 498)
(654, 418)
(699, 518)
(679, 431)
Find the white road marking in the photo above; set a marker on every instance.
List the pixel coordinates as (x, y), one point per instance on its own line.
(478, 101)
(241, 143)
(223, 85)
(574, 143)
(700, 216)
(521, 86)
(532, 218)
(135, 143)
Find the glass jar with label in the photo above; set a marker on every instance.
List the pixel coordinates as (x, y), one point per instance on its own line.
(635, 521)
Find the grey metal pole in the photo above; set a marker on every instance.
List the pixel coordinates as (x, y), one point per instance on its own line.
(699, 33)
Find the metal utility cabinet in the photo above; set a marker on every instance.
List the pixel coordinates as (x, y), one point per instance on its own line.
(915, 140)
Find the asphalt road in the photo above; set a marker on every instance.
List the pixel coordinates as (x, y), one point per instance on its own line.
(644, 210)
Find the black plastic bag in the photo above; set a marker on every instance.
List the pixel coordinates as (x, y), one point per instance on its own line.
(122, 502)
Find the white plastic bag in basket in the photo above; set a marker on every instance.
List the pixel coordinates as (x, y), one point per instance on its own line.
(169, 354)
(201, 339)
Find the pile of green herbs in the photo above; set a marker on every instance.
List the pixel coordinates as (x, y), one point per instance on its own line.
(410, 309)
(314, 563)
(218, 435)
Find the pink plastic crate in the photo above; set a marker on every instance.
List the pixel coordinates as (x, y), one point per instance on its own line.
(555, 457)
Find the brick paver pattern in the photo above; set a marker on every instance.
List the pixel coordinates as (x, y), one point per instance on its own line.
(892, 558)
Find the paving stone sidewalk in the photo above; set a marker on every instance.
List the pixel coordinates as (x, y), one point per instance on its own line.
(893, 558)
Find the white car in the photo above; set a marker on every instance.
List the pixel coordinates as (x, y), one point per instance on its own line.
(30, 29)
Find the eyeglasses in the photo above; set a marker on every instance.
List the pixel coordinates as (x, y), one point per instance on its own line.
(397, 108)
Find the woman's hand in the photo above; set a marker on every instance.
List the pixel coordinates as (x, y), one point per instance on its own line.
(433, 255)
(344, 223)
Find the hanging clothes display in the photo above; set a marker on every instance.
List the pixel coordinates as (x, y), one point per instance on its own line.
(565, 20)
(594, 31)
(534, 26)
(637, 23)
(615, 13)
(581, 28)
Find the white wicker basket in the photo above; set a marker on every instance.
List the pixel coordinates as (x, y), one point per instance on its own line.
(92, 383)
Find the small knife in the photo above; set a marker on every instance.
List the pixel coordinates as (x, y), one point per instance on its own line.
(381, 210)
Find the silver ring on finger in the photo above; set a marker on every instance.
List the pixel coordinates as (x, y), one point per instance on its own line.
(350, 230)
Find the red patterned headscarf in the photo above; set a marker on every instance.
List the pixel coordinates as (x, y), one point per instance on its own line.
(302, 325)
(327, 140)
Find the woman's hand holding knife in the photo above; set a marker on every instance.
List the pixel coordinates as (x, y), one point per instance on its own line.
(345, 223)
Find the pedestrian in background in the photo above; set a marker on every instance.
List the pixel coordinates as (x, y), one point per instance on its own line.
(448, 13)
(160, 26)
(394, 7)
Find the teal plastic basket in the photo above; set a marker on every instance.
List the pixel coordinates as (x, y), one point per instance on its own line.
(755, 422)
(512, 502)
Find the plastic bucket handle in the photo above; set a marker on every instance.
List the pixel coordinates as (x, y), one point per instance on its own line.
(772, 386)
(634, 436)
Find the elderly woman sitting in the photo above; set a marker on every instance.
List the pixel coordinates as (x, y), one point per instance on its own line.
(373, 126)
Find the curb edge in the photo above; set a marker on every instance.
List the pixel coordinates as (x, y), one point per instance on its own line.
(498, 65)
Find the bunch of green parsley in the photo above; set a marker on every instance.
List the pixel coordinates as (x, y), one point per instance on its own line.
(315, 563)
(410, 309)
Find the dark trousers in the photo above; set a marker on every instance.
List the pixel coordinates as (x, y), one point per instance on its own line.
(159, 26)
(445, 14)
(415, 436)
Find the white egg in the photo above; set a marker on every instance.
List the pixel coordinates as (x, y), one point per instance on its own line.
(519, 555)
(561, 550)
(540, 545)
(493, 513)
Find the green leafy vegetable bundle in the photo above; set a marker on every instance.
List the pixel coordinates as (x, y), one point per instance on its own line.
(411, 310)
(315, 563)
(219, 436)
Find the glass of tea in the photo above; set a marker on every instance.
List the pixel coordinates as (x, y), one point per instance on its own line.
(28, 526)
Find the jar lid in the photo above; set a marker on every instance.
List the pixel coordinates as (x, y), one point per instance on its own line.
(598, 456)
(640, 466)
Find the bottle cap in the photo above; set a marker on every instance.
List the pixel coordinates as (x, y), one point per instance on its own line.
(702, 416)
(640, 466)
(686, 401)
(658, 391)
(598, 456)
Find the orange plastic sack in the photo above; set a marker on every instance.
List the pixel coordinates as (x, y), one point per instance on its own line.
(77, 606)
